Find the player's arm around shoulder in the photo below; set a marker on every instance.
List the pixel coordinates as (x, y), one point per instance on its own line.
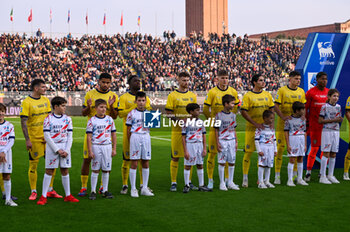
(207, 105)
(257, 141)
(286, 135)
(184, 132)
(204, 153)
(70, 136)
(87, 105)
(114, 139)
(113, 104)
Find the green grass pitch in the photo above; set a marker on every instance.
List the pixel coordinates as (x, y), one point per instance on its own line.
(312, 208)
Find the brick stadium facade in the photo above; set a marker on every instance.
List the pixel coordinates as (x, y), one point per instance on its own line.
(206, 16)
(303, 32)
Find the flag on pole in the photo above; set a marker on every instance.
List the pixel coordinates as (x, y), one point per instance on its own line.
(139, 20)
(30, 17)
(11, 15)
(50, 16)
(121, 20)
(68, 16)
(87, 18)
(104, 19)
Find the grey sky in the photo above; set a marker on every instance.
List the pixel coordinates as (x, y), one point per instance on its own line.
(249, 16)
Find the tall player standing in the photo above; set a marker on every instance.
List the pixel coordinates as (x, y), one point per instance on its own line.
(127, 104)
(102, 91)
(176, 109)
(34, 110)
(285, 98)
(212, 106)
(316, 97)
(255, 102)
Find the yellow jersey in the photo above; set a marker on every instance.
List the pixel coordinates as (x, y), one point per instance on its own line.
(255, 103)
(36, 110)
(214, 100)
(127, 104)
(286, 97)
(94, 95)
(177, 102)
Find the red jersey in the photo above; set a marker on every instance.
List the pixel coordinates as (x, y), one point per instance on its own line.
(315, 99)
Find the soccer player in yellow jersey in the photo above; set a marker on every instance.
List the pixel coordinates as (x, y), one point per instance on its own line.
(34, 110)
(254, 103)
(102, 91)
(127, 104)
(212, 106)
(176, 109)
(347, 156)
(285, 98)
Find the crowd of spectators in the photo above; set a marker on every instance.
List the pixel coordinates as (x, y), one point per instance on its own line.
(72, 64)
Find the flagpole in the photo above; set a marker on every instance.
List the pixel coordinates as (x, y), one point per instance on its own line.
(31, 21)
(87, 22)
(50, 23)
(123, 24)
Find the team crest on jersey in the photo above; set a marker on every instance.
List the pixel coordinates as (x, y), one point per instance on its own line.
(299, 97)
(212, 147)
(279, 141)
(348, 104)
(35, 154)
(277, 96)
(191, 99)
(266, 99)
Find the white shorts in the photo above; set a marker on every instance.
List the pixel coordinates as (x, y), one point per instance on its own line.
(103, 157)
(268, 157)
(140, 146)
(330, 141)
(7, 167)
(52, 159)
(195, 150)
(228, 153)
(297, 143)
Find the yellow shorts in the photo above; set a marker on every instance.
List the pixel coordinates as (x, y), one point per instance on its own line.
(85, 150)
(249, 144)
(126, 146)
(37, 151)
(212, 141)
(177, 149)
(280, 139)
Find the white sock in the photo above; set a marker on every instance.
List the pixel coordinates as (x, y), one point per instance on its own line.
(132, 176)
(7, 186)
(300, 170)
(290, 171)
(323, 166)
(261, 174)
(221, 174)
(331, 166)
(94, 177)
(231, 171)
(200, 174)
(105, 180)
(66, 185)
(145, 177)
(187, 177)
(277, 174)
(46, 184)
(50, 188)
(308, 172)
(267, 174)
(245, 177)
